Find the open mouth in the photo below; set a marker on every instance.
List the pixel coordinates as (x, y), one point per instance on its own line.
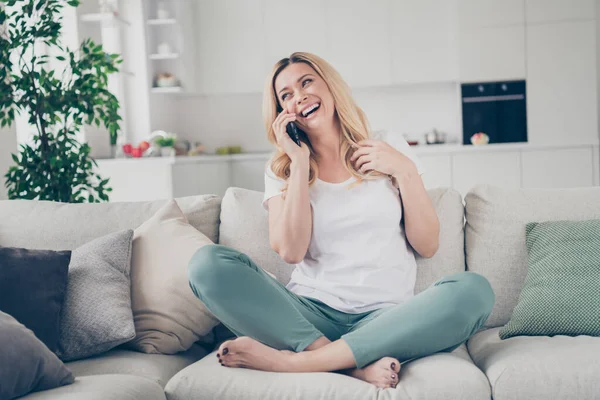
(311, 110)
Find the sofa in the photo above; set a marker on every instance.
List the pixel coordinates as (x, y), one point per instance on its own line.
(484, 234)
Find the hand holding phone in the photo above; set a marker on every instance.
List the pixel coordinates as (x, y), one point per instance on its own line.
(289, 137)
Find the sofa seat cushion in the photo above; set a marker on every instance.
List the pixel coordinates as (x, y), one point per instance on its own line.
(538, 367)
(104, 387)
(157, 367)
(441, 376)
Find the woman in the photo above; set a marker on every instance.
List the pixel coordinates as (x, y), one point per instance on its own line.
(335, 207)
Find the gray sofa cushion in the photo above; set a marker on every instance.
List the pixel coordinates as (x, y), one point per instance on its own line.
(244, 226)
(156, 367)
(495, 233)
(96, 315)
(536, 368)
(104, 387)
(60, 226)
(26, 364)
(441, 376)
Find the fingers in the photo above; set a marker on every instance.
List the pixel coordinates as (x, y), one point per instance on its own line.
(366, 167)
(362, 160)
(360, 152)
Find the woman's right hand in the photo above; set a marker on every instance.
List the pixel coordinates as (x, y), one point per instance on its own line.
(295, 152)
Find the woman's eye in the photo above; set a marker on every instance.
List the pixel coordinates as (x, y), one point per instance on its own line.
(285, 96)
(306, 81)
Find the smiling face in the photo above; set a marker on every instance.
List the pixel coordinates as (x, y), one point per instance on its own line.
(300, 90)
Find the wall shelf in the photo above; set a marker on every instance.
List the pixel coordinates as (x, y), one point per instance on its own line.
(174, 89)
(168, 21)
(167, 56)
(102, 17)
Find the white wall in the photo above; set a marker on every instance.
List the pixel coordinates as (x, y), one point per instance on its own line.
(225, 120)
(8, 145)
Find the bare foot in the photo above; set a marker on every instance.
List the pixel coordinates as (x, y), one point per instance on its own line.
(382, 373)
(245, 352)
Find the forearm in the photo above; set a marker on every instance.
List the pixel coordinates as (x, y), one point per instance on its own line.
(295, 223)
(421, 222)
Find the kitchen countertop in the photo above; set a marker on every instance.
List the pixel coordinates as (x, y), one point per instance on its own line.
(421, 149)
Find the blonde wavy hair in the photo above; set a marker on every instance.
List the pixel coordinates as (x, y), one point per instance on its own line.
(353, 121)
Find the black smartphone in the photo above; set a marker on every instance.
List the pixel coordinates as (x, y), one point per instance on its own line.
(294, 132)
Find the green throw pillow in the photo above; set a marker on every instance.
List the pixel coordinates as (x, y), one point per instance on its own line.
(561, 294)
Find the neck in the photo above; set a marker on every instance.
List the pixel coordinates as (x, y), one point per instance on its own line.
(326, 141)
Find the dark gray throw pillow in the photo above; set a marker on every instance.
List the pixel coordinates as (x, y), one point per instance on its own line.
(32, 289)
(97, 312)
(26, 364)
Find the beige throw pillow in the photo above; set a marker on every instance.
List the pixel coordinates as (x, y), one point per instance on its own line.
(168, 317)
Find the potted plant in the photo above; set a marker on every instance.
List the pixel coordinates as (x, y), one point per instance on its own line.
(55, 165)
(166, 144)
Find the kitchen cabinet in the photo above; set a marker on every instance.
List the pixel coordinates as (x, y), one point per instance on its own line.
(492, 53)
(558, 168)
(561, 83)
(137, 180)
(490, 13)
(359, 38)
(193, 178)
(231, 46)
(293, 26)
(248, 174)
(438, 170)
(491, 40)
(500, 168)
(424, 40)
(543, 11)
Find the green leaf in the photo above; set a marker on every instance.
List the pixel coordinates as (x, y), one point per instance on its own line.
(61, 58)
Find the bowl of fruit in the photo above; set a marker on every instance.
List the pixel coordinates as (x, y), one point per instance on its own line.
(136, 152)
(480, 138)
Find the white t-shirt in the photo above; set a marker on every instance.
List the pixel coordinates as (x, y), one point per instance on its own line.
(358, 259)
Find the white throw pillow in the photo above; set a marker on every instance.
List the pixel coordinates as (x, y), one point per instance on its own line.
(168, 317)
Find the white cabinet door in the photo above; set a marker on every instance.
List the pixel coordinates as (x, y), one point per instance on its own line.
(294, 26)
(561, 168)
(230, 46)
(196, 178)
(359, 37)
(248, 174)
(495, 168)
(488, 13)
(492, 54)
(561, 83)
(135, 179)
(424, 41)
(541, 11)
(438, 171)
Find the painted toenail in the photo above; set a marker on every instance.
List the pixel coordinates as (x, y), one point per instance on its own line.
(393, 376)
(225, 351)
(393, 364)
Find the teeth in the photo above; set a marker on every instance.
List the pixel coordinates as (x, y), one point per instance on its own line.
(309, 109)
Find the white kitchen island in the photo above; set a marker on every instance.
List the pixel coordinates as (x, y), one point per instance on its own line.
(513, 165)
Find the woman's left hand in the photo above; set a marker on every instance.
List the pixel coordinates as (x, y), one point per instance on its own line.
(380, 156)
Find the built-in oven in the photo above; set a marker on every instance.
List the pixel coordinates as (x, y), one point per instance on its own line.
(497, 109)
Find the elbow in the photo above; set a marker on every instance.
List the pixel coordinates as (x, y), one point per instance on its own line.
(290, 257)
(430, 251)
(286, 255)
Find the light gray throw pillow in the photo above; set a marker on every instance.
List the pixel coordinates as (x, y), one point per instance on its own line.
(96, 315)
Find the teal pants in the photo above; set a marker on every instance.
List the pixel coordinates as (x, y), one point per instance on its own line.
(249, 302)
